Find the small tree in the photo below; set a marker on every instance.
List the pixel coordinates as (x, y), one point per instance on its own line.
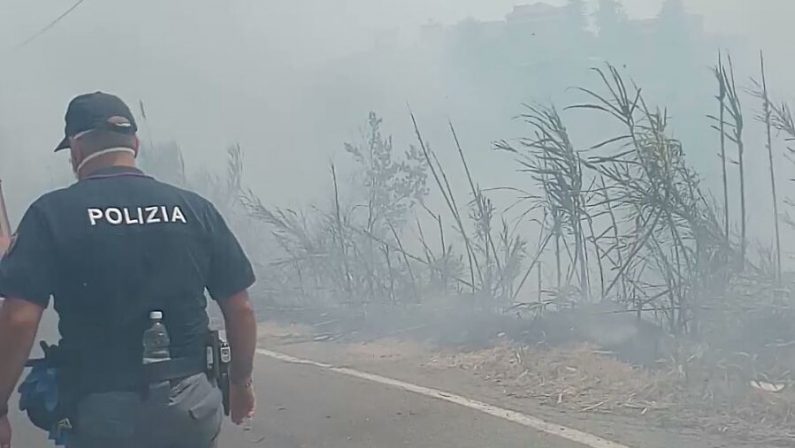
(392, 185)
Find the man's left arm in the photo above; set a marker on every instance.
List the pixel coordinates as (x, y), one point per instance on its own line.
(26, 283)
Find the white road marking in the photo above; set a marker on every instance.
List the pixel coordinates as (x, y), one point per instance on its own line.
(529, 421)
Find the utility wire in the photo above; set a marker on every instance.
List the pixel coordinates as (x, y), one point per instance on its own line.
(49, 25)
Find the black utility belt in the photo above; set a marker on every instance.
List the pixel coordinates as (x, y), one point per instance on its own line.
(173, 369)
(215, 362)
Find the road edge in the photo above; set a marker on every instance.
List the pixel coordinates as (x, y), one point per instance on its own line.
(560, 431)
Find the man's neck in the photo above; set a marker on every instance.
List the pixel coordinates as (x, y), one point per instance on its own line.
(110, 158)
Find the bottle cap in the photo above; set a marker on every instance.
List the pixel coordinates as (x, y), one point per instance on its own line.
(156, 315)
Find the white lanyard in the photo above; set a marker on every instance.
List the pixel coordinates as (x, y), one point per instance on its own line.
(93, 156)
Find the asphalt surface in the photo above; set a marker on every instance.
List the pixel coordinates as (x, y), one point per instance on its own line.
(305, 406)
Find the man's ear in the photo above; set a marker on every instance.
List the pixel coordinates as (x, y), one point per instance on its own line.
(74, 150)
(136, 145)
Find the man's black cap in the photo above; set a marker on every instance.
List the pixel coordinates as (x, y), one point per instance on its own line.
(94, 111)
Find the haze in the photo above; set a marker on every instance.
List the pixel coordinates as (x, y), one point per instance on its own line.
(650, 254)
(271, 76)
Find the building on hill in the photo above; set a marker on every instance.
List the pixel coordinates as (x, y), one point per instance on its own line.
(538, 13)
(539, 19)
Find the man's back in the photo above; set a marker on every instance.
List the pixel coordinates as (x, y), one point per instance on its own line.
(111, 249)
(124, 244)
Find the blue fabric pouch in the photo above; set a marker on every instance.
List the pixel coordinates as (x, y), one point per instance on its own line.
(40, 398)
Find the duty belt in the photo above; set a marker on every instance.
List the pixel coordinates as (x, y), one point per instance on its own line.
(173, 369)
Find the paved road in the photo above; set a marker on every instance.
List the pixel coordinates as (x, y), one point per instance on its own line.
(303, 406)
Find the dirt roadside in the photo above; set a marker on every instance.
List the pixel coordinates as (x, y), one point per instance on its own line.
(490, 375)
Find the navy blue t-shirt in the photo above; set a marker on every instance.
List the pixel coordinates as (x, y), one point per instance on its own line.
(113, 247)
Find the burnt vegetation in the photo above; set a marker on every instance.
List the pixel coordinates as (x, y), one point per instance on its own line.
(624, 221)
(623, 224)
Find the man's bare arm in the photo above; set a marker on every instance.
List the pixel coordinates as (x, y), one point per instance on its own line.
(241, 330)
(4, 243)
(19, 322)
(5, 226)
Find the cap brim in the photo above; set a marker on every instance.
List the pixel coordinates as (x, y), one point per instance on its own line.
(63, 145)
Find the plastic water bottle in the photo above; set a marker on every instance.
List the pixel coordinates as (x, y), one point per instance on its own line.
(156, 341)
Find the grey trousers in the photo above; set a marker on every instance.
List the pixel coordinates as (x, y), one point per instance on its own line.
(187, 414)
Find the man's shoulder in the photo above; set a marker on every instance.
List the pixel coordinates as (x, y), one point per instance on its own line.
(60, 196)
(57, 196)
(203, 208)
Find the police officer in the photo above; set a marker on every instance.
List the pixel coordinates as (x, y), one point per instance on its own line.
(110, 249)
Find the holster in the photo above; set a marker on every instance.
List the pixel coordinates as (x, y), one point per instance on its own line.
(219, 358)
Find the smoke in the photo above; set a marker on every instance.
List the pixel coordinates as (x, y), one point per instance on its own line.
(293, 81)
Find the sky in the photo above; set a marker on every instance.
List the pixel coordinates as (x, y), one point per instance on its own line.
(214, 72)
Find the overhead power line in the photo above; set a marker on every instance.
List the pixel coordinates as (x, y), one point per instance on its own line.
(50, 25)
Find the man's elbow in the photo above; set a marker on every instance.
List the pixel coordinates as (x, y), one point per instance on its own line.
(238, 307)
